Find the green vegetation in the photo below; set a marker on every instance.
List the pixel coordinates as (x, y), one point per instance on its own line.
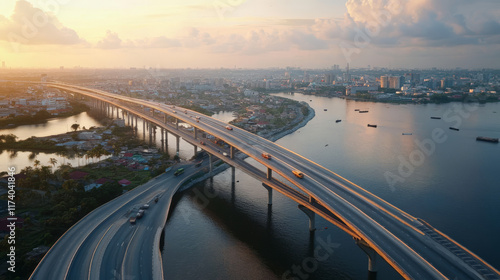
(305, 111)
(199, 109)
(50, 203)
(30, 144)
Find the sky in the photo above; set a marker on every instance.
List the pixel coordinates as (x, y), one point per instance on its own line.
(250, 33)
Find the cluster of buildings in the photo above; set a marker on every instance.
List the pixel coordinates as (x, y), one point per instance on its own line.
(33, 100)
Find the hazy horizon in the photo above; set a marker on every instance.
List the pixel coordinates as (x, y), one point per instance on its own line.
(252, 34)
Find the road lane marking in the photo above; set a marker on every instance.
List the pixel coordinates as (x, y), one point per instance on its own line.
(126, 250)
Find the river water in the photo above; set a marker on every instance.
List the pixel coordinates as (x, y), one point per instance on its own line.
(443, 176)
(219, 232)
(52, 127)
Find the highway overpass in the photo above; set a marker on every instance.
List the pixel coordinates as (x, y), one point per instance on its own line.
(411, 246)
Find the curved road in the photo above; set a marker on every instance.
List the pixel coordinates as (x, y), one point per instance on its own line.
(104, 245)
(414, 248)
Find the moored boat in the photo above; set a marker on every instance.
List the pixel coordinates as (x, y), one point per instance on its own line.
(372, 125)
(487, 139)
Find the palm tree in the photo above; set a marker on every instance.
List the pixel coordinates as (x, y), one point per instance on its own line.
(53, 161)
(36, 163)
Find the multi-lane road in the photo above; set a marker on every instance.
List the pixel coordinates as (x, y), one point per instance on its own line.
(411, 246)
(105, 245)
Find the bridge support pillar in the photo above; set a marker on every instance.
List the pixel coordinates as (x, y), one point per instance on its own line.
(195, 150)
(269, 194)
(195, 133)
(311, 215)
(372, 256)
(118, 113)
(231, 152)
(233, 175)
(177, 124)
(166, 140)
(210, 164)
(150, 133)
(177, 144)
(269, 173)
(144, 129)
(162, 140)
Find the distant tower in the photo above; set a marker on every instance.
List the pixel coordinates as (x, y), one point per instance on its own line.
(347, 77)
(384, 82)
(3, 64)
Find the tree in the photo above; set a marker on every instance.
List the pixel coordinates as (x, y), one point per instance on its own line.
(72, 185)
(53, 161)
(36, 163)
(75, 126)
(8, 138)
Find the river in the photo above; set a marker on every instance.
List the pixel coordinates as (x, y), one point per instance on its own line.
(52, 127)
(219, 232)
(21, 159)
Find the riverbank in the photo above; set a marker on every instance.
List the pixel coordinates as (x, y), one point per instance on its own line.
(42, 116)
(286, 131)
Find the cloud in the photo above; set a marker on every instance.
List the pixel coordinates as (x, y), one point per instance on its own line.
(433, 23)
(113, 41)
(32, 26)
(110, 41)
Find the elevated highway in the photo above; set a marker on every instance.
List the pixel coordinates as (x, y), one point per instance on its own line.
(411, 246)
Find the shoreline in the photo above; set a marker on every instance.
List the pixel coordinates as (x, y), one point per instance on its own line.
(278, 135)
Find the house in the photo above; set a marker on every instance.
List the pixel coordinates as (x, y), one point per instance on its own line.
(124, 182)
(97, 184)
(91, 186)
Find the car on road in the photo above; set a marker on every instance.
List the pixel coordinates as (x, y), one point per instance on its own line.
(266, 155)
(185, 111)
(179, 171)
(145, 206)
(140, 214)
(225, 154)
(175, 112)
(202, 143)
(156, 199)
(229, 128)
(132, 220)
(197, 119)
(298, 174)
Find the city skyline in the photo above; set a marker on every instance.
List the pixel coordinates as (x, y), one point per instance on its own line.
(250, 34)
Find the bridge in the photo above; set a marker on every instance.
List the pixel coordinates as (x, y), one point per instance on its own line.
(415, 249)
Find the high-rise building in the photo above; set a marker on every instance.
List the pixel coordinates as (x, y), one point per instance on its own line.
(3, 64)
(329, 77)
(394, 82)
(415, 78)
(446, 83)
(384, 82)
